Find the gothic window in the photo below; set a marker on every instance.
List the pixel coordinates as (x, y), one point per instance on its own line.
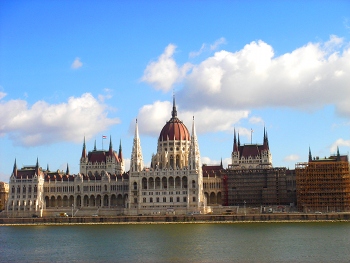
(172, 161)
(105, 187)
(164, 199)
(135, 186)
(193, 184)
(30, 189)
(35, 189)
(13, 189)
(18, 189)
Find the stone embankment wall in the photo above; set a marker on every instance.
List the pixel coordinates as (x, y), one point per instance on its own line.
(179, 219)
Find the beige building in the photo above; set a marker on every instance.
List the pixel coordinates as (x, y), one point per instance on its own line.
(4, 192)
(174, 181)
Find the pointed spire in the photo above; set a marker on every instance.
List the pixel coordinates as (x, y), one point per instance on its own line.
(221, 163)
(15, 168)
(67, 170)
(136, 162)
(95, 146)
(47, 168)
(338, 154)
(110, 150)
(194, 159)
(37, 166)
(310, 155)
(174, 111)
(239, 143)
(83, 153)
(235, 145)
(120, 154)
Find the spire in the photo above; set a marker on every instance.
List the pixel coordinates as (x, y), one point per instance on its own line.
(310, 156)
(239, 143)
(37, 166)
(174, 111)
(15, 168)
(67, 170)
(266, 140)
(110, 146)
(83, 153)
(221, 163)
(235, 146)
(120, 154)
(338, 154)
(194, 159)
(95, 146)
(47, 168)
(136, 162)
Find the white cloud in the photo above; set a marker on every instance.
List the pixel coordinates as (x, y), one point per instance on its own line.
(206, 120)
(164, 72)
(205, 47)
(217, 43)
(256, 120)
(76, 63)
(308, 78)
(43, 123)
(291, 158)
(2, 95)
(338, 143)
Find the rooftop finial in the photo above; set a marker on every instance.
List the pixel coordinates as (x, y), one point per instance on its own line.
(174, 112)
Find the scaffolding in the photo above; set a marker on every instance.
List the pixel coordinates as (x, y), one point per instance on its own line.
(323, 186)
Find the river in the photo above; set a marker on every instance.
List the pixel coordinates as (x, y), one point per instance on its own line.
(236, 242)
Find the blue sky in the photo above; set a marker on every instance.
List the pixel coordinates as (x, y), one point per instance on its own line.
(70, 69)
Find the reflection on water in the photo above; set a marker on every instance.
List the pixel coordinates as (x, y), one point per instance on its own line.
(257, 242)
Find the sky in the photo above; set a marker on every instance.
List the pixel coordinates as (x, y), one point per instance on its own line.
(70, 69)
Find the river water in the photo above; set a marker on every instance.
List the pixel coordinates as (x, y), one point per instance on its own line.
(255, 242)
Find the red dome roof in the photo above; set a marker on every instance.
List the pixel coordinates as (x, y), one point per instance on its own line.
(174, 129)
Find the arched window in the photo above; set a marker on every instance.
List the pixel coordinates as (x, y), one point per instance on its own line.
(135, 186)
(172, 161)
(193, 184)
(35, 189)
(13, 189)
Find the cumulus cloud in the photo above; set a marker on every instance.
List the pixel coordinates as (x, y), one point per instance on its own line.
(164, 73)
(206, 120)
(291, 158)
(306, 78)
(338, 143)
(76, 63)
(44, 123)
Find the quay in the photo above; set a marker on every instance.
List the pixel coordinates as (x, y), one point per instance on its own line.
(146, 219)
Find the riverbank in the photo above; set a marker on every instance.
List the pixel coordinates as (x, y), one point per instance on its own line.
(190, 219)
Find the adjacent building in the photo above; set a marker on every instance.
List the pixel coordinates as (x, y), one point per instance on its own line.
(323, 185)
(251, 180)
(101, 187)
(4, 192)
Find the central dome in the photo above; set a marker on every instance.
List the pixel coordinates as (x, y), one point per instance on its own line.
(174, 129)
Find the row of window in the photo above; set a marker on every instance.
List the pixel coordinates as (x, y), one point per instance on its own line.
(212, 185)
(24, 189)
(171, 199)
(86, 188)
